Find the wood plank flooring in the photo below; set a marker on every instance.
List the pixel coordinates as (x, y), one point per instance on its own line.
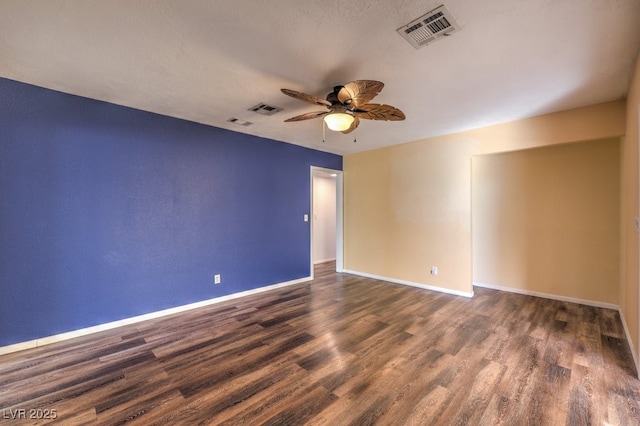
(341, 350)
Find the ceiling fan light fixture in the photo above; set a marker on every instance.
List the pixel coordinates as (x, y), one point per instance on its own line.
(338, 121)
(347, 105)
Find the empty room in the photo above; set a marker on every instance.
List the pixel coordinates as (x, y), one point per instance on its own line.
(320, 212)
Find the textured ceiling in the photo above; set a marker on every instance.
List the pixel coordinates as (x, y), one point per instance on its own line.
(207, 61)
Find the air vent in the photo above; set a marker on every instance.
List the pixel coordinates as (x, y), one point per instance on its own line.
(430, 27)
(239, 122)
(265, 109)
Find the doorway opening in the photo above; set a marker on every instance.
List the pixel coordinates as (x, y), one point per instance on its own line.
(326, 217)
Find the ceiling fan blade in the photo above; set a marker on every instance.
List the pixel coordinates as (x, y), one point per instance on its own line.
(379, 112)
(306, 98)
(359, 92)
(356, 122)
(307, 116)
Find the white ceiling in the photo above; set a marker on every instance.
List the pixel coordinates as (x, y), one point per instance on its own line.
(208, 60)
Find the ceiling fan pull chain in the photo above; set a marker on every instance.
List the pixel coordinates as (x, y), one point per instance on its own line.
(324, 130)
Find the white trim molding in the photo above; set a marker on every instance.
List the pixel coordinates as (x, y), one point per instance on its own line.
(127, 321)
(324, 260)
(628, 336)
(572, 300)
(548, 296)
(411, 283)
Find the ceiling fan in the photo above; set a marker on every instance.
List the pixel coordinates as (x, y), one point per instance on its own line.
(347, 104)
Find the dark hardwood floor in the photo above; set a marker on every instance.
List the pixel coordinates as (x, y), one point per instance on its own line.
(340, 350)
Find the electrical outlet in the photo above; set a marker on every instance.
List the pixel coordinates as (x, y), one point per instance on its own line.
(434, 270)
(216, 279)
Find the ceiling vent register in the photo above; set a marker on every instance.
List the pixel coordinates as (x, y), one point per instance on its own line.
(240, 122)
(429, 28)
(265, 109)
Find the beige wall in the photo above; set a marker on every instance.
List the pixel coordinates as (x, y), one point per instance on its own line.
(629, 303)
(408, 207)
(547, 220)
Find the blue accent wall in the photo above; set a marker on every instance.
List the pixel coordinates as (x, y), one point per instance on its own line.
(109, 212)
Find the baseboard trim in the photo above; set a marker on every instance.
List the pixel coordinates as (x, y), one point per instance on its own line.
(549, 296)
(410, 283)
(628, 336)
(571, 300)
(127, 321)
(324, 260)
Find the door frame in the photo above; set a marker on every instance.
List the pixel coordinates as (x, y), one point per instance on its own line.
(636, 350)
(339, 217)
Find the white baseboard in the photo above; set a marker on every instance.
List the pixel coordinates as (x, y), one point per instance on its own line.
(315, 262)
(410, 283)
(629, 341)
(549, 296)
(127, 321)
(572, 300)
